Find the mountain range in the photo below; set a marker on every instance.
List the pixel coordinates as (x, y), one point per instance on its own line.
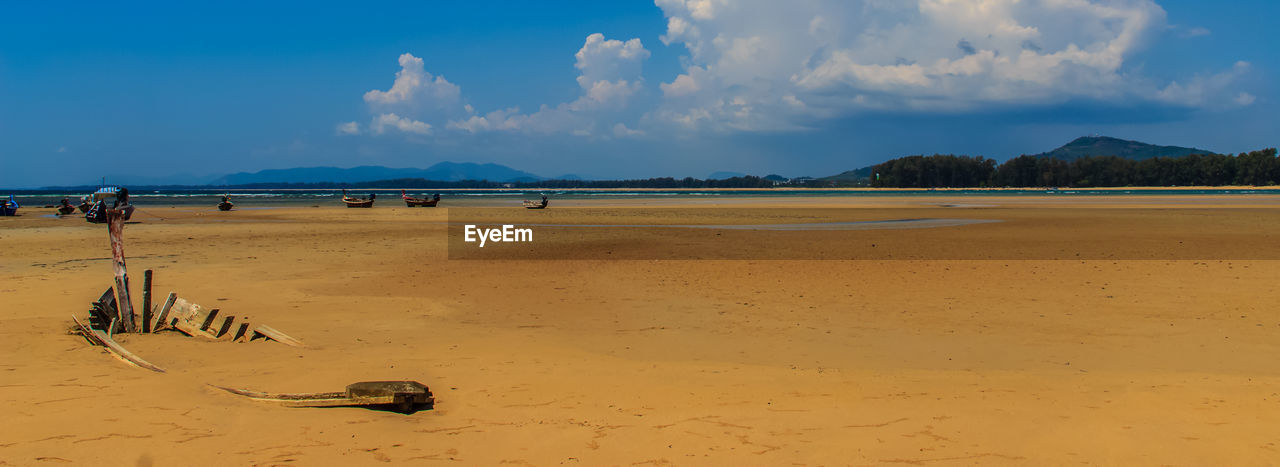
(444, 171)
(456, 171)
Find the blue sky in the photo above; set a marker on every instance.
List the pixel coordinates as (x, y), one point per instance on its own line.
(617, 89)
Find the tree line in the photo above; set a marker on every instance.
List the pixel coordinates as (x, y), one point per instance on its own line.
(660, 182)
(1256, 168)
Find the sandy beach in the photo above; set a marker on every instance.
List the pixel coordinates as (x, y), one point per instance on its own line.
(1102, 330)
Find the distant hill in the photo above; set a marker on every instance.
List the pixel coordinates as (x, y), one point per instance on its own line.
(775, 178)
(724, 175)
(851, 176)
(1107, 146)
(444, 171)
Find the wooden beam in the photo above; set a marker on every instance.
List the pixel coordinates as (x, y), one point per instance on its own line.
(406, 396)
(164, 312)
(240, 333)
(226, 326)
(104, 310)
(208, 320)
(270, 333)
(189, 329)
(146, 300)
(116, 350)
(115, 230)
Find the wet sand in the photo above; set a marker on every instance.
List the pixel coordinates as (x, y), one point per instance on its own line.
(919, 353)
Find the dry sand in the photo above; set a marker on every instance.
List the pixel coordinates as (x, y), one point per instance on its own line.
(1156, 354)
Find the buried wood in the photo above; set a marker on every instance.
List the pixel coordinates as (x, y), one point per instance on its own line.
(124, 305)
(271, 333)
(103, 313)
(405, 396)
(164, 312)
(146, 300)
(101, 338)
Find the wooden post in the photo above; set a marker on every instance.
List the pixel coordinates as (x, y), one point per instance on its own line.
(146, 300)
(164, 312)
(115, 229)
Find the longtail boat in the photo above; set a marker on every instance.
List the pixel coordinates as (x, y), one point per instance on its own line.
(66, 207)
(9, 207)
(529, 204)
(97, 212)
(419, 202)
(358, 202)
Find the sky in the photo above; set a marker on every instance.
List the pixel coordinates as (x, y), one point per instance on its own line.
(180, 92)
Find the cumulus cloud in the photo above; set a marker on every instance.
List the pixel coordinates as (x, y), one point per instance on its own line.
(609, 76)
(347, 128)
(764, 65)
(1211, 91)
(416, 90)
(622, 131)
(389, 121)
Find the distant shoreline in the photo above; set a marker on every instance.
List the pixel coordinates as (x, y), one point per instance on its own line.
(142, 189)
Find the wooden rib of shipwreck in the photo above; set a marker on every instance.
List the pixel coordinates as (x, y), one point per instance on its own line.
(405, 396)
(197, 321)
(114, 348)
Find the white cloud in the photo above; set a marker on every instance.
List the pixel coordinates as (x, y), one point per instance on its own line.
(622, 131)
(1210, 91)
(609, 78)
(750, 62)
(682, 86)
(417, 90)
(390, 121)
(602, 59)
(347, 128)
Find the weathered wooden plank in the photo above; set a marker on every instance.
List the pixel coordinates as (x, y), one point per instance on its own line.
(189, 329)
(182, 309)
(226, 326)
(104, 310)
(164, 312)
(108, 298)
(146, 300)
(240, 333)
(100, 316)
(124, 305)
(208, 320)
(273, 334)
(115, 348)
(405, 395)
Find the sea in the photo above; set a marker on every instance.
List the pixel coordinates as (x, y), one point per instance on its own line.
(474, 197)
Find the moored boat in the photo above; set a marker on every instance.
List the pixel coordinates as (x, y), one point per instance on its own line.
(529, 204)
(358, 202)
(9, 207)
(97, 213)
(66, 207)
(419, 202)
